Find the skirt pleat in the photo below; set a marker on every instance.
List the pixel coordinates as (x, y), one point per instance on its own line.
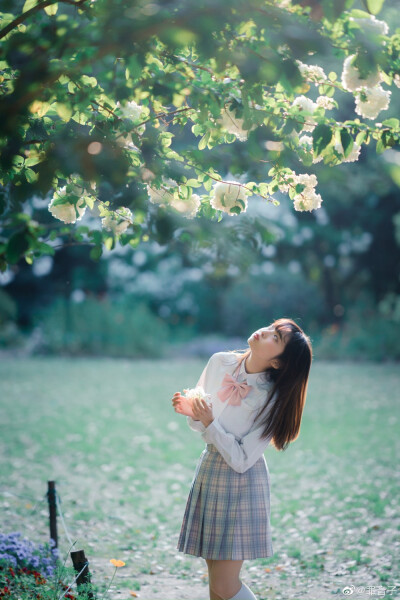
(227, 514)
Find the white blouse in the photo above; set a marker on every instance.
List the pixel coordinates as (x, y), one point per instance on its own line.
(233, 431)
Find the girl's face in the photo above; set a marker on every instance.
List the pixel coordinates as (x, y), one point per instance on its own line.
(267, 343)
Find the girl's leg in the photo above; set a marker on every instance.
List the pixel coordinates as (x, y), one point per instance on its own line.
(213, 595)
(224, 578)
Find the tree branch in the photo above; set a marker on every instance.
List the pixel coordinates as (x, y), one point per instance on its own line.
(34, 10)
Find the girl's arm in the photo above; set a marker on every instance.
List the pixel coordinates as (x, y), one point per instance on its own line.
(239, 456)
(193, 423)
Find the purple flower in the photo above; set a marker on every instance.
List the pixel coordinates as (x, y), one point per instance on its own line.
(23, 553)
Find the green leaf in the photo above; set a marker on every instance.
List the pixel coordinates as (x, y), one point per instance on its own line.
(193, 183)
(322, 135)
(96, 252)
(52, 9)
(361, 137)
(90, 81)
(359, 14)
(109, 242)
(29, 4)
(208, 183)
(380, 147)
(392, 123)
(31, 176)
(326, 90)
(374, 6)
(347, 142)
(44, 248)
(64, 111)
(29, 162)
(387, 139)
(80, 118)
(17, 245)
(204, 140)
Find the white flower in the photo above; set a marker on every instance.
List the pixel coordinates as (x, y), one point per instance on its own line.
(188, 207)
(377, 99)
(284, 185)
(67, 212)
(309, 181)
(306, 144)
(228, 195)
(119, 221)
(306, 105)
(162, 196)
(306, 140)
(351, 76)
(307, 200)
(325, 102)
(197, 392)
(133, 112)
(233, 124)
(354, 154)
(371, 25)
(396, 80)
(313, 72)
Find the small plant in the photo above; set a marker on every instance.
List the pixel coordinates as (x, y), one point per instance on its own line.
(21, 552)
(28, 584)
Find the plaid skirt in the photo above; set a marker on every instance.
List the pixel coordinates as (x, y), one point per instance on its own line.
(227, 515)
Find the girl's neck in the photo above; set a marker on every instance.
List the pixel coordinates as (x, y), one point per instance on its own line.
(252, 365)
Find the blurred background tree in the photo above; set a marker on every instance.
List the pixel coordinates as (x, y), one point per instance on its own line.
(174, 282)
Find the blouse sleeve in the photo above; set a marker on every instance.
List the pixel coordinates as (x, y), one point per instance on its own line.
(239, 457)
(198, 425)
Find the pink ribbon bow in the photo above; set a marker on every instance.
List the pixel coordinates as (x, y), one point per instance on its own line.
(233, 391)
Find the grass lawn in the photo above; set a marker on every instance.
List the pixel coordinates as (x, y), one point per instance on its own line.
(123, 461)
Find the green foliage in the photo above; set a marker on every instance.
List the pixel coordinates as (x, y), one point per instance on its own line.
(100, 327)
(364, 335)
(8, 308)
(195, 91)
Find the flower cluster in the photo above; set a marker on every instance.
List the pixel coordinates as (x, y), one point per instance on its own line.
(371, 25)
(325, 102)
(69, 212)
(229, 195)
(308, 106)
(354, 154)
(370, 101)
(135, 113)
(306, 198)
(119, 221)
(306, 145)
(19, 552)
(233, 124)
(314, 73)
(197, 392)
(165, 197)
(371, 98)
(351, 79)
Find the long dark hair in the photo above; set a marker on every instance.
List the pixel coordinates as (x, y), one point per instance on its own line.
(281, 414)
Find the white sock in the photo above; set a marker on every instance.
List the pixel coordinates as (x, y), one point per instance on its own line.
(244, 593)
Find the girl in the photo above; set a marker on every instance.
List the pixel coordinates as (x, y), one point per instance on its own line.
(257, 397)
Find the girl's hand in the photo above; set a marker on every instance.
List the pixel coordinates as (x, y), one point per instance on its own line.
(202, 412)
(182, 405)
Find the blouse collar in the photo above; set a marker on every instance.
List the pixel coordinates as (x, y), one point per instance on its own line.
(252, 378)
